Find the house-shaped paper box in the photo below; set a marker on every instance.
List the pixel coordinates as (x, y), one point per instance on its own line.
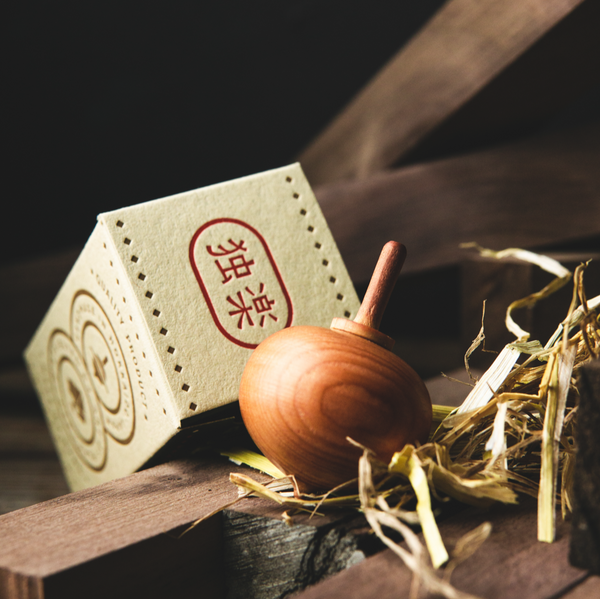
(165, 304)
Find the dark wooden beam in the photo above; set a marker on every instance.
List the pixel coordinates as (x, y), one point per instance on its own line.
(119, 533)
(124, 539)
(455, 56)
(585, 541)
(265, 558)
(125, 536)
(556, 82)
(510, 563)
(120, 539)
(536, 193)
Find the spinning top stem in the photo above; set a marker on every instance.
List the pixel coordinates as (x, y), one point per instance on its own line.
(382, 284)
(368, 319)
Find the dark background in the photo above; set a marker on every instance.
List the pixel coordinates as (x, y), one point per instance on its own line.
(107, 104)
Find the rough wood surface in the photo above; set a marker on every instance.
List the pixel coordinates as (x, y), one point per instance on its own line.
(82, 536)
(265, 558)
(585, 540)
(511, 562)
(462, 48)
(124, 535)
(540, 192)
(65, 534)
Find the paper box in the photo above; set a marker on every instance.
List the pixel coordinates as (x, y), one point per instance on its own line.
(161, 311)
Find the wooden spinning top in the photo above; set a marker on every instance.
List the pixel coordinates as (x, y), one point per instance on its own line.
(305, 389)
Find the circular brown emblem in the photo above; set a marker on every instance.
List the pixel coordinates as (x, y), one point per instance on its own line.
(92, 380)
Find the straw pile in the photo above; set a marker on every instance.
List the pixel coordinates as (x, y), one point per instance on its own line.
(514, 434)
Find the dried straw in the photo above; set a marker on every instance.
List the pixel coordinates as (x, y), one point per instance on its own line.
(513, 435)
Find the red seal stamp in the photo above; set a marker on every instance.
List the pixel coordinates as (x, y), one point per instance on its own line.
(240, 281)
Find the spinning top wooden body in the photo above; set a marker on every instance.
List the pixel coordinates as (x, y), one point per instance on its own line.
(306, 389)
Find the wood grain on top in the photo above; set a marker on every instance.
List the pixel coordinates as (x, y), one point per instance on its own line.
(510, 563)
(462, 48)
(542, 191)
(121, 537)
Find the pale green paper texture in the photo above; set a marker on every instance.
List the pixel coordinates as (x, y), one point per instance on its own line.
(161, 311)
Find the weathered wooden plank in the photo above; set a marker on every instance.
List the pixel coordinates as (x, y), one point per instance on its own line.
(585, 543)
(535, 193)
(527, 96)
(265, 558)
(380, 576)
(126, 535)
(462, 48)
(511, 562)
(125, 528)
(123, 535)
